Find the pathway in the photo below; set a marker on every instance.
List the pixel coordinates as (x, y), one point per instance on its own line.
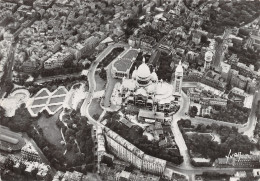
(177, 133)
(91, 76)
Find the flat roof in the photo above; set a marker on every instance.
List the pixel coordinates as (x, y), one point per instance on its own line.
(13, 138)
(125, 62)
(8, 139)
(150, 114)
(126, 122)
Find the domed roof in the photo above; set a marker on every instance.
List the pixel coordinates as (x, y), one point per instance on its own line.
(134, 74)
(154, 76)
(143, 70)
(179, 68)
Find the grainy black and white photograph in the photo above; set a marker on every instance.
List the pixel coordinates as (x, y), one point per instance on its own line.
(129, 90)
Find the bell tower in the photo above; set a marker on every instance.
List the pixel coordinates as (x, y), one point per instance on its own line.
(177, 85)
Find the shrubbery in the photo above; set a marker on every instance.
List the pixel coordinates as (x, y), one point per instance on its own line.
(80, 130)
(231, 15)
(203, 144)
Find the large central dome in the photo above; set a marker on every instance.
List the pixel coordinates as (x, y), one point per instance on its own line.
(143, 70)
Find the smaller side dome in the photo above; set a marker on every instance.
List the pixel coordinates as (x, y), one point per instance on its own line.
(154, 76)
(134, 74)
(179, 68)
(143, 70)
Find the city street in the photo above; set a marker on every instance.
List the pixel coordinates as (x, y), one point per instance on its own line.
(250, 126)
(10, 64)
(9, 71)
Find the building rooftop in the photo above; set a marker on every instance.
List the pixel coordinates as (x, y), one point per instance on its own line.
(124, 143)
(125, 175)
(150, 114)
(29, 148)
(126, 122)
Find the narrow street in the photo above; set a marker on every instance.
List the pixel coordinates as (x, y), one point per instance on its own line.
(250, 126)
(177, 133)
(10, 63)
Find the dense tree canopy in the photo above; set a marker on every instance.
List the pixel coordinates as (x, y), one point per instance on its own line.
(232, 113)
(231, 15)
(20, 122)
(79, 131)
(193, 111)
(203, 144)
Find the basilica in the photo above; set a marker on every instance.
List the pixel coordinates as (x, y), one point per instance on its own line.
(144, 90)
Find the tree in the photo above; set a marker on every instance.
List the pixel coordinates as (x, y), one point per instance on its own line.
(204, 39)
(193, 111)
(69, 132)
(187, 123)
(9, 86)
(68, 146)
(9, 163)
(34, 172)
(2, 113)
(96, 116)
(103, 73)
(60, 124)
(21, 121)
(215, 126)
(22, 167)
(35, 74)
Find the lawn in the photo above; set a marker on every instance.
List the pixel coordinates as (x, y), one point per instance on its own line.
(95, 108)
(100, 83)
(50, 130)
(54, 107)
(39, 101)
(57, 99)
(43, 93)
(36, 109)
(60, 91)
